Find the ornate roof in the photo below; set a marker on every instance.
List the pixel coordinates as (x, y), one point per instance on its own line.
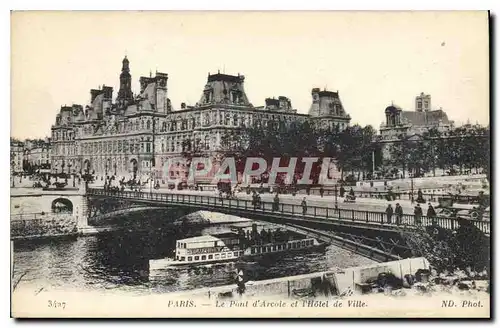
(224, 89)
(425, 117)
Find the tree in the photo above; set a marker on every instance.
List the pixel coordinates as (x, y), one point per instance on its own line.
(448, 250)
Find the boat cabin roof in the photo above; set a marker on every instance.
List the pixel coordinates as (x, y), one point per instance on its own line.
(208, 238)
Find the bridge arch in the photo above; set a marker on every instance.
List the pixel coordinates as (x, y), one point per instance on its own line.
(62, 205)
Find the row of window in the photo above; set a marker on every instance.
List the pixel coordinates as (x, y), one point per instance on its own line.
(227, 119)
(281, 247)
(62, 135)
(118, 146)
(210, 256)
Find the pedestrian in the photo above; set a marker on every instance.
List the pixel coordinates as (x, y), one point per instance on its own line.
(276, 203)
(389, 211)
(418, 214)
(431, 213)
(304, 206)
(342, 191)
(258, 200)
(351, 192)
(399, 213)
(420, 196)
(321, 191)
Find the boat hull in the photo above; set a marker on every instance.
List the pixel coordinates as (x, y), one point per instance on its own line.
(163, 264)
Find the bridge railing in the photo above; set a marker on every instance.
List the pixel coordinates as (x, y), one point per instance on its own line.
(317, 213)
(400, 195)
(429, 197)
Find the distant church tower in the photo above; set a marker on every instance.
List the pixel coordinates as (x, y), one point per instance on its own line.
(423, 102)
(125, 95)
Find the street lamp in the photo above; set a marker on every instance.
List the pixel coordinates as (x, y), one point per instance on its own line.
(151, 178)
(336, 191)
(69, 171)
(411, 180)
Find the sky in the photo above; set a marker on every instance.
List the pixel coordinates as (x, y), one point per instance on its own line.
(371, 58)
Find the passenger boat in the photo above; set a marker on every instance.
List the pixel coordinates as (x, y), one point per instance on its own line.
(226, 247)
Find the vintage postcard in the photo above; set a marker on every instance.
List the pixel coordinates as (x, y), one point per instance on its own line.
(250, 164)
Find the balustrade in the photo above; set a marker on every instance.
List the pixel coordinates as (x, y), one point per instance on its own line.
(312, 213)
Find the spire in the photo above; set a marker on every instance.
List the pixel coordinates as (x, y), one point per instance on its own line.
(125, 93)
(125, 65)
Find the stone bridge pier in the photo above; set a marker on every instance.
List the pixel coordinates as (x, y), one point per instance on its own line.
(48, 212)
(81, 212)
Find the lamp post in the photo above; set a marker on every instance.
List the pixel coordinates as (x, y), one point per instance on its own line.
(69, 171)
(336, 191)
(151, 178)
(411, 180)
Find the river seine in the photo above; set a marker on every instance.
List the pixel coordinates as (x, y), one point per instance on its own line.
(119, 261)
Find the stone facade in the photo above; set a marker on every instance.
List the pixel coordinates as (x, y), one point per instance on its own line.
(36, 153)
(135, 135)
(407, 124)
(16, 156)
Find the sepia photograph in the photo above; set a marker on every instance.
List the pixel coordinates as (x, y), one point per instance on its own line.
(250, 164)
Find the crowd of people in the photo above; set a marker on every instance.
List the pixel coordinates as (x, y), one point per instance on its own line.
(398, 213)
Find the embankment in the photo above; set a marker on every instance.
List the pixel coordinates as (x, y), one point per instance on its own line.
(44, 226)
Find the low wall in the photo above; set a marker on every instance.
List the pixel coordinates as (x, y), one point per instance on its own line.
(352, 276)
(339, 280)
(48, 225)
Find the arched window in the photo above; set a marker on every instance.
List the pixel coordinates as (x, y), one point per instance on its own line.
(164, 126)
(148, 125)
(235, 119)
(207, 142)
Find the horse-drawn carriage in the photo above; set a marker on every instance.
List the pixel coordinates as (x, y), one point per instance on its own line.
(225, 188)
(350, 198)
(449, 208)
(133, 184)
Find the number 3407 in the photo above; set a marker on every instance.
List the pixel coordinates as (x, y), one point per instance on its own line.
(56, 304)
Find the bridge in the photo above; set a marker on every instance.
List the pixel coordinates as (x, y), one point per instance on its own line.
(365, 232)
(42, 213)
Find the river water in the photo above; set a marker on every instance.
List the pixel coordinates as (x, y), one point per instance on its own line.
(118, 261)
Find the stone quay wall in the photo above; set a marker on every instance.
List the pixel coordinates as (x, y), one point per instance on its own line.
(48, 225)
